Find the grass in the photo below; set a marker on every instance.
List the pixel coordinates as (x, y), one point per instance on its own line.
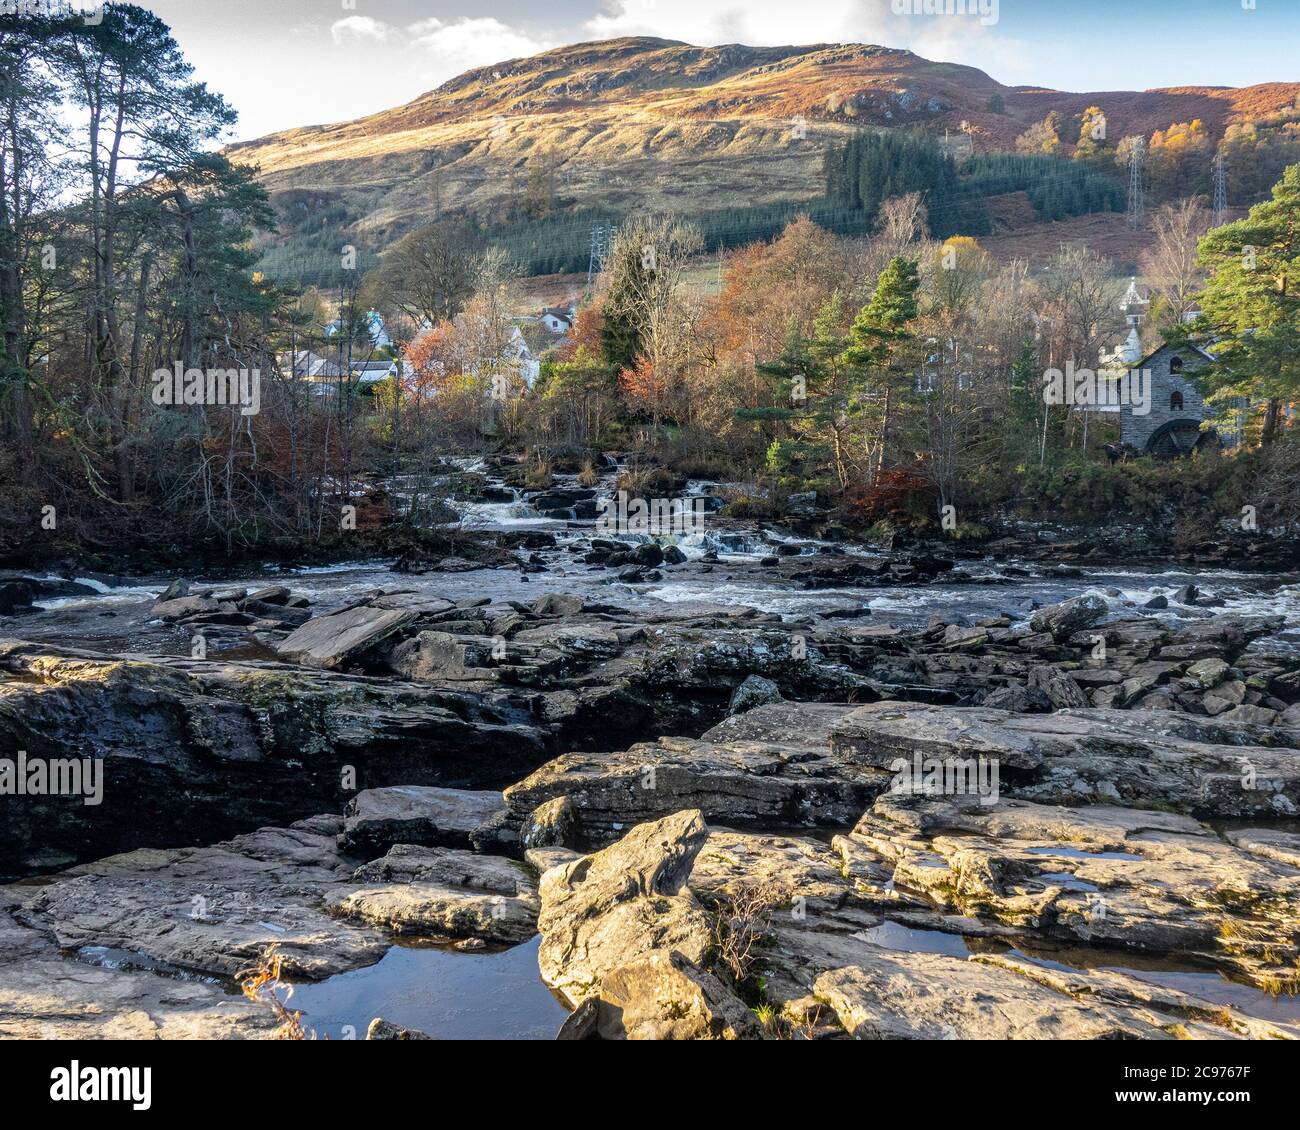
(262, 983)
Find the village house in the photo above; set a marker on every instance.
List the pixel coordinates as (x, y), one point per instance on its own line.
(558, 319)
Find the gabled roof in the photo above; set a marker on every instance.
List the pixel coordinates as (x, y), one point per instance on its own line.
(1186, 345)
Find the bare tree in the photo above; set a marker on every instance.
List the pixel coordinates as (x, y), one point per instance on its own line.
(1170, 263)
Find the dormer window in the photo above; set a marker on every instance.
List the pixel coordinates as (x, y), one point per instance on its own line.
(1176, 402)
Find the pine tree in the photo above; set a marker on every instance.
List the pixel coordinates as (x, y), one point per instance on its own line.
(1251, 303)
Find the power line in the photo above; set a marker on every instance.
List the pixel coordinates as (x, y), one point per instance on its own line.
(1220, 188)
(1136, 203)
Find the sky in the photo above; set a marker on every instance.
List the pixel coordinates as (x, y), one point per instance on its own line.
(286, 63)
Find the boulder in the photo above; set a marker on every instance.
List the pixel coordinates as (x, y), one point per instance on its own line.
(557, 604)
(663, 996)
(610, 909)
(15, 595)
(551, 825)
(772, 764)
(754, 691)
(1070, 616)
(376, 819)
(332, 640)
(1207, 673)
(1061, 690)
(185, 607)
(648, 555)
(442, 892)
(381, 1029)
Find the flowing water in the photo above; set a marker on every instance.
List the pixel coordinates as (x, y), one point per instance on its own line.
(497, 993)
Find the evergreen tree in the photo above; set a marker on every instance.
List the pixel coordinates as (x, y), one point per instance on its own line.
(1251, 303)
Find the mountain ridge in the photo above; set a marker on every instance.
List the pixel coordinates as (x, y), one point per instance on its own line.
(660, 123)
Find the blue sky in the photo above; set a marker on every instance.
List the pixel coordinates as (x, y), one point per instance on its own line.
(286, 63)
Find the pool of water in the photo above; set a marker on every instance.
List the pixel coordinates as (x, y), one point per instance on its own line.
(449, 994)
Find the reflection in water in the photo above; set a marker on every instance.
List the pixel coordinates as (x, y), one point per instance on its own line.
(479, 995)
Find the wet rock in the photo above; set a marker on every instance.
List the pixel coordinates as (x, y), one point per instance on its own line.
(381, 1029)
(186, 607)
(376, 819)
(15, 596)
(275, 594)
(649, 555)
(1070, 616)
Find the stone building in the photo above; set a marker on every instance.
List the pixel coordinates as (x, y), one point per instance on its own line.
(1173, 425)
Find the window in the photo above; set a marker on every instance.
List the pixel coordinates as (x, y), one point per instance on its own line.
(1176, 402)
(1176, 365)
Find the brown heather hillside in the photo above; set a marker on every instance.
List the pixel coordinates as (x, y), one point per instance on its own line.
(653, 123)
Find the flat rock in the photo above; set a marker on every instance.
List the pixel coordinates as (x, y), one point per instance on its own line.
(924, 996)
(330, 641)
(376, 819)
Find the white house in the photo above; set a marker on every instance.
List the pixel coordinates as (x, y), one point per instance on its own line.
(558, 319)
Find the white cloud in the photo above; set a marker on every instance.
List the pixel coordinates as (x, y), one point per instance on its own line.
(959, 39)
(359, 27)
(472, 42)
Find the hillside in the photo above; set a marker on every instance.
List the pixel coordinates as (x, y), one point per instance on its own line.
(648, 122)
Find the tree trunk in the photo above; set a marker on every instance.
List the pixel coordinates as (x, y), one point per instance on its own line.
(1272, 413)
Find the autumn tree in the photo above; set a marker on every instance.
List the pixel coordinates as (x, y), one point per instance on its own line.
(1179, 160)
(643, 299)
(1041, 137)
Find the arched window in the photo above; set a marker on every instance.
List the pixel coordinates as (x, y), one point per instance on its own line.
(1175, 364)
(1176, 402)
